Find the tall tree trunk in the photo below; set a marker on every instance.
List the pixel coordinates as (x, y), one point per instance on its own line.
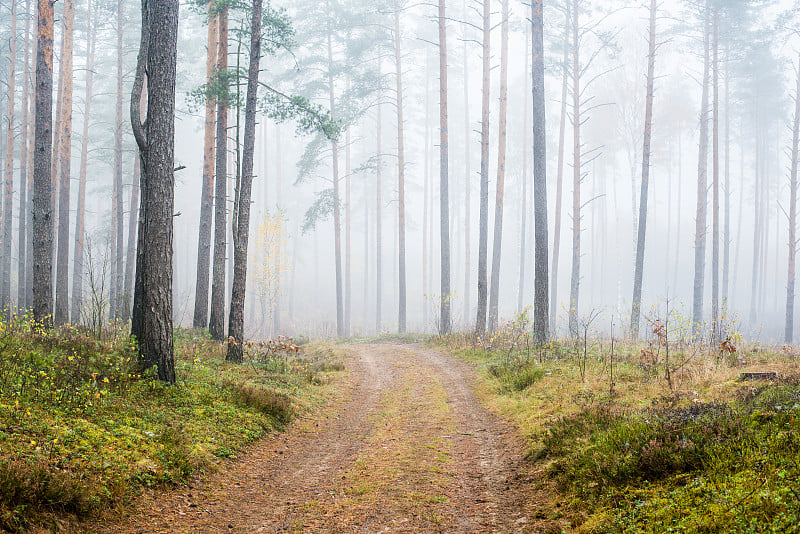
(157, 53)
(425, 196)
(575, 278)
(444, 187)
(277, 262)
(116, 195)
(726, 241)
(788, 332)
(24, 229)
(216, 325)
(80, 214)
(642, 227)
(62, 262)
(130, 255)
(715, 326)
(200, 317)
(337, 222)
(348, 289)
(540, 304)
(401, 184)
(702, 187)
(378, 250)
(483, 224)
(494, 296)
(523, 238)
(8, 197)
(559, 173)
(242, 224)
(42, 180)
(29, 211)
(467, 187)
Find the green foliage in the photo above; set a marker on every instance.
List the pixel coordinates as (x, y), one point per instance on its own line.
(309, 117)
(81, 429)
(320, 210)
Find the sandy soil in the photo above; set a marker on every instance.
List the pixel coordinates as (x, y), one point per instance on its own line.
(407, 447)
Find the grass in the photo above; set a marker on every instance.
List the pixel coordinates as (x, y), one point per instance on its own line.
(81, 429)
(635, 454)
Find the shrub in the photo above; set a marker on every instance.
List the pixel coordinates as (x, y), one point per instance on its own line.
(276, 404)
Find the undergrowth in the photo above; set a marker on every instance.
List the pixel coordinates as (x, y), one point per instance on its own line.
(81, 429)
(625, 446)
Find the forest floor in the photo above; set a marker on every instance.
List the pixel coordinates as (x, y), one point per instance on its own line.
(406, 447)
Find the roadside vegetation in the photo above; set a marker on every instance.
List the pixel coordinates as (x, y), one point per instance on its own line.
(81, 429)
(662, 435)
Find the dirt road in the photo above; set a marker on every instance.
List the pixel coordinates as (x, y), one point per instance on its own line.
(408, 449)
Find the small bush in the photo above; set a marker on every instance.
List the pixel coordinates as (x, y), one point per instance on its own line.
(266, 400)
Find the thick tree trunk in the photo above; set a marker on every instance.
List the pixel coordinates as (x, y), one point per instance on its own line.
(540, 304)
(216, 324)
(401, 183)
(483, 223)
(444, 187)
(494, 296)
(642, 227)
(42, 178)
(575, 278)
(702, 188)
(24, 229)
(156, 146)
(790, 285)
(80, 214)
(559, 174)
(242, 224)
(62, 261)
(8, 197)
(200, 318)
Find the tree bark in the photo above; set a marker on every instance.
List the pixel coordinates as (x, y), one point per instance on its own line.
(401, 184)
(62, 261)
(216, 325)
(242, 224)
(540, 304)
(726, 240)
(348, 289)
(444, 187)
(467, 187)
(559, 173)
(702, 193)
(337, 222)
(8, 197)
(158, 53)
(523, 229)
(483, 224)
(42, 179)
(494, 296)
(80, 214)
(715, 326)
(790, 285)
(378, 231)
(642, 227)
(130, 255)
(575, 278)
(200, 318)
(24, 229)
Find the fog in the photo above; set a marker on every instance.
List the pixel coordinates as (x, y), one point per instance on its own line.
(758, 48)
